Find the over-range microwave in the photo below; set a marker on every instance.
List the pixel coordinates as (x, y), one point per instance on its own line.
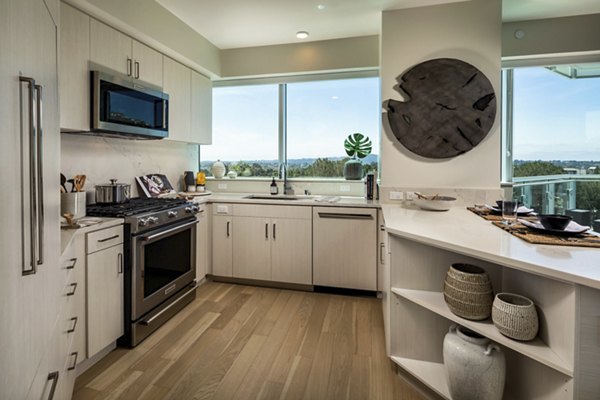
(123, 108)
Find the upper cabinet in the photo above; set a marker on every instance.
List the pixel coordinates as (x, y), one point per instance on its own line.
(74, 73)
(84, 40)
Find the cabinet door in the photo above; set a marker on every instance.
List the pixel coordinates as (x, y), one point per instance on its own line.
(177, 84)
(291, 251)
(201, 109)
(147, 64)
(110, 48)
(222, 245)
(28, 303)
(74, 71)
(79, 341)
(104, 298)
(252, 248)
(345, 248)
(202, 244)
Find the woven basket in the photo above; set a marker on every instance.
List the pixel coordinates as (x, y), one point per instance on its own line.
(468, 291)
(515, 316)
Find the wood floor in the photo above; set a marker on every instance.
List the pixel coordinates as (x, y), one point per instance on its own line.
(242, 342)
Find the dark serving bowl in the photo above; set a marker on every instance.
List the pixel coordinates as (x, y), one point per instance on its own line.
(554, 221)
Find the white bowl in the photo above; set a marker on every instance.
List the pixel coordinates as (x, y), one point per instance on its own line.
(441, 203)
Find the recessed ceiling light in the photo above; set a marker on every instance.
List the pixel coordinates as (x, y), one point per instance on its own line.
(321, 6)
(302, 34)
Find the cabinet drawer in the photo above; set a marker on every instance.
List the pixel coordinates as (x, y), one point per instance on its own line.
(103, 239)
(268, 211)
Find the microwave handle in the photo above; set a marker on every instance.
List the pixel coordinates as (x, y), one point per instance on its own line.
(164, 114)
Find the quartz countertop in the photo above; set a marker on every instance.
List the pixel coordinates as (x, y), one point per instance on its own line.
(459, 230)
(67, 235)
(340, 201)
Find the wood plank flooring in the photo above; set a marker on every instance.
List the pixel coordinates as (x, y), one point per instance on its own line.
(243, 342)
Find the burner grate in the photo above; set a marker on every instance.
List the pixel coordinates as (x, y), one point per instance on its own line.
(134, 206)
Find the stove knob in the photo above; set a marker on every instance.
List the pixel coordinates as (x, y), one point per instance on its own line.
(189, 210)
(153, 220)
(143, 221)
(172, 214)
(195, 208)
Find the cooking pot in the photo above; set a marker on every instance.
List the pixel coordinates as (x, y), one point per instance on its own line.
(112, 193)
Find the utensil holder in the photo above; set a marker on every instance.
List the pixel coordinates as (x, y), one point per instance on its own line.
(73, 203)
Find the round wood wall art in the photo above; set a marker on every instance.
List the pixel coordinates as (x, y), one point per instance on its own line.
(450, 108)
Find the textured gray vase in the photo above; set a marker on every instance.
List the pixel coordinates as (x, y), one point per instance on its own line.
(353, 170)
(475, 366)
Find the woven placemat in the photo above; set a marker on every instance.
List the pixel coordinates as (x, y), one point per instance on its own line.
(524, 233)
(489, 215)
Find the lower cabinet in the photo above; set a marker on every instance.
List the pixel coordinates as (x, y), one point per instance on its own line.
(222, 241)
(345, 247)
(202, 243)
(105, 308)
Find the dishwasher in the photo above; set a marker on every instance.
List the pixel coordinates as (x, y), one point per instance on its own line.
(345, 247)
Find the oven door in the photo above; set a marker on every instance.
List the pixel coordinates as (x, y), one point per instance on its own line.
(163, 262)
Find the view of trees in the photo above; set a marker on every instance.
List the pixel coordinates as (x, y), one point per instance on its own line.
(536, 168)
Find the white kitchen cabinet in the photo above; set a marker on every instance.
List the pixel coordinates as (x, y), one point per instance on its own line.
(345, 247)
(201, 131)
(74, 71)
(383, 275)
(202, 242)
(177, 81)
(119, 52)
(29, 302)
(105, 308)
(222, 240)
(272, 243)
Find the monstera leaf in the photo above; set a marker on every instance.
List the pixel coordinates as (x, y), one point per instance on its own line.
(357, 145)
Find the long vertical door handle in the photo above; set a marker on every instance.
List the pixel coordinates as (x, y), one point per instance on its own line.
(31, 269)
(267, 230)
(228, 228)
(381, 253)
(164, 114)
(53, 376)
(120, 263)
(40, 173)
(137, 70)
(129, 66)
(274, 231)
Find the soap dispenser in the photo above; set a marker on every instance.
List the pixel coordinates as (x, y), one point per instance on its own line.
(274, 189)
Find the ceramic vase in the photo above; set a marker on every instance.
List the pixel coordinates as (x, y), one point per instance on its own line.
(475, 366)
(218, 169)
(353, 169)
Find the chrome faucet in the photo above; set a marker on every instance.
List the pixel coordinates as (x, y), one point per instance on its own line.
(287, 188)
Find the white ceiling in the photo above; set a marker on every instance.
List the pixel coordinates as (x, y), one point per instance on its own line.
(246, 23)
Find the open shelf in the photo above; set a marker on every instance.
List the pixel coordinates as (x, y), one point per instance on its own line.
(535, 349)
(431, 373)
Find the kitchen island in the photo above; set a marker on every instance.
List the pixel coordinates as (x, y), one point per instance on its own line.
(564, 282)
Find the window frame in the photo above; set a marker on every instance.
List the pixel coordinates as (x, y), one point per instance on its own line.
(282, 82)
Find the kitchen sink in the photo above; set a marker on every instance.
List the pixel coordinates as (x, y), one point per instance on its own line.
(278, 197)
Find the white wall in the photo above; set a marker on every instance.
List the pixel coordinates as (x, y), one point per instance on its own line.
(470, 31)
(101, 159)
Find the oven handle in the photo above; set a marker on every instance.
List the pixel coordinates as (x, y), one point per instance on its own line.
(168, 231)
(150, 320)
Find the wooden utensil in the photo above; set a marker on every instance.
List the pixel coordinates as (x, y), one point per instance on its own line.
(78, 182)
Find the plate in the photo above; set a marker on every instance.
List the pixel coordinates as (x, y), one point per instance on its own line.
(571, 230)
(441, 203)
(521, 211)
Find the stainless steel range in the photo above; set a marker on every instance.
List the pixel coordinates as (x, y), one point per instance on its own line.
(160, 259)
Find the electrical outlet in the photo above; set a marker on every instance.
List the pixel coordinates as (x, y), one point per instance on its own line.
(222, 186)
(344, 188)
(396, 196)
(409, 196)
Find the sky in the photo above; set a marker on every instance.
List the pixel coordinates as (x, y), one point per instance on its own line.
(555, 118)
(320, 116)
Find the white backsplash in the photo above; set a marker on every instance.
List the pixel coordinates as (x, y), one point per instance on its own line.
(464, 197)
(102, 159)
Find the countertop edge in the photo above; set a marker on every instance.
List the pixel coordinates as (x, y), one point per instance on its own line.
(67, 235)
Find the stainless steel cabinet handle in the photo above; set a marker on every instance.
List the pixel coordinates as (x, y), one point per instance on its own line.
(120, 263)
(108, 238)
(74, 354)
(73, 261)
(137, 70)
(72, 292)
(129, 66)
(74, 319)
(164, 115)
(344, 216)
(274, 231)
(228, 228)
(53, 376)
(267, 230)
(40, 173)
(381, 253)
(31, 269)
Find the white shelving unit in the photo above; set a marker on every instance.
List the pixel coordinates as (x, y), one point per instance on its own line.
(549, 367)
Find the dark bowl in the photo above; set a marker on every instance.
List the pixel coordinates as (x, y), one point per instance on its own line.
(555, 221)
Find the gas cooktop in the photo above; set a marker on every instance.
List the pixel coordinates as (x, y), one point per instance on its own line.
(136, 205)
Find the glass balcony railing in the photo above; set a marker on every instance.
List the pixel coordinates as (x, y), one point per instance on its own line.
(574, 195)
